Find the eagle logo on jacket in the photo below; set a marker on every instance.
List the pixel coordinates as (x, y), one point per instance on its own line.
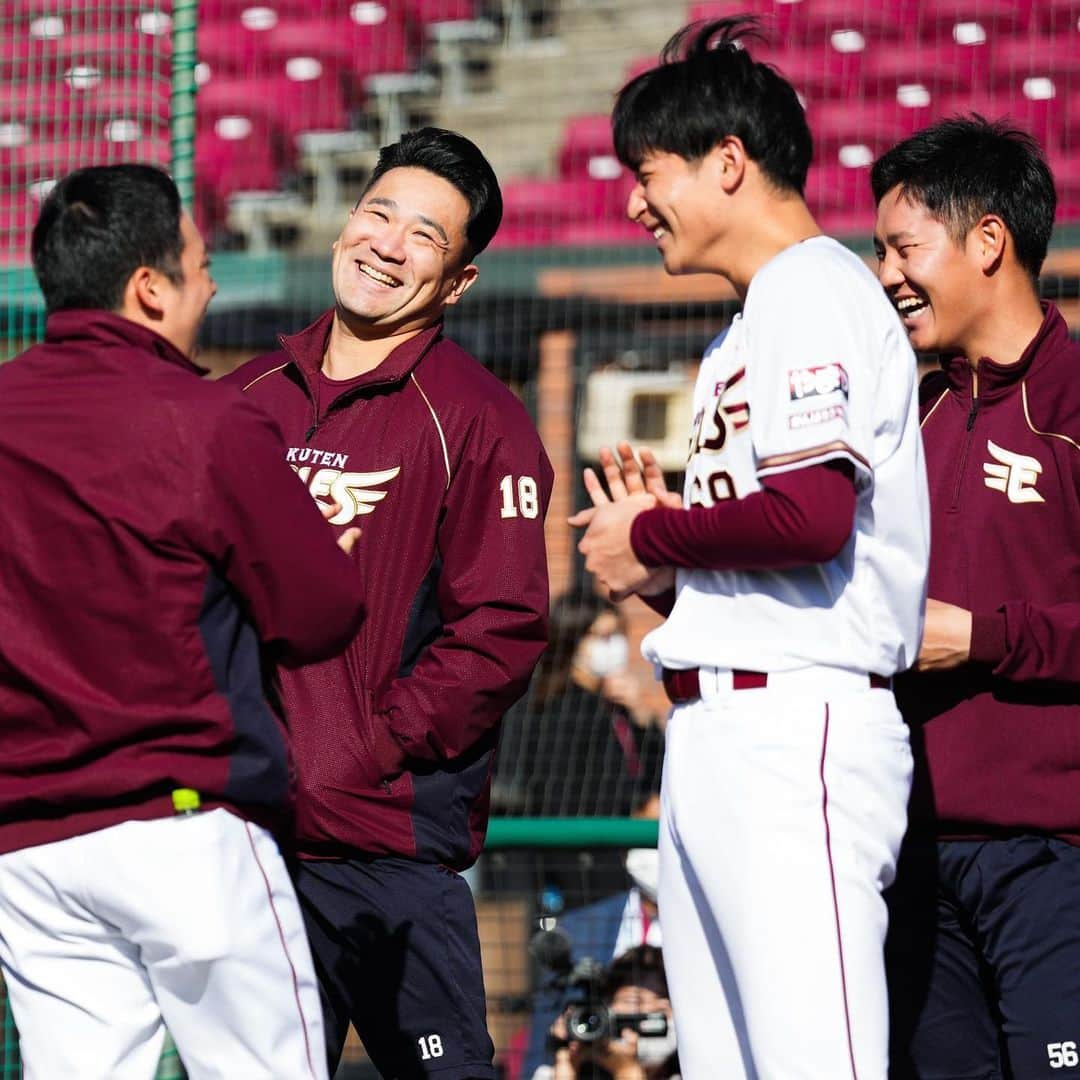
(357, 493)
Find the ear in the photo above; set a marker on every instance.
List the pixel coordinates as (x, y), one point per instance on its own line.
(463, 281)
(988, 240)
(727, 160)
(145, 294)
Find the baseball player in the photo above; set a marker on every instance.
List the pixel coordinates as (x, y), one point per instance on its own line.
(395, 739)
(798, 560)
(141, 568)
(984, 950)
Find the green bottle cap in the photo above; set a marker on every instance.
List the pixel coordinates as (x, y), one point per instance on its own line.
(185, 800)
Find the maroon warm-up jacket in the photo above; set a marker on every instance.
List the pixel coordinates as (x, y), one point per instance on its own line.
(1000, 736)
(150, 541)
(442, 469)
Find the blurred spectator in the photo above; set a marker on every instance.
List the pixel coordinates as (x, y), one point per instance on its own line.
(582, 744)
(634, 989)
(602, 931)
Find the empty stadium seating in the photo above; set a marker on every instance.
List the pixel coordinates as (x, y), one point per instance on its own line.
(272, 70)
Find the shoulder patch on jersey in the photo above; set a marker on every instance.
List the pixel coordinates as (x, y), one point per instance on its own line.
(818, 381)
(812, 417)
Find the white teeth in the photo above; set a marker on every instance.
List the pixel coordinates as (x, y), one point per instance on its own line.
(909, 304)
(377, 275)
(659, 232)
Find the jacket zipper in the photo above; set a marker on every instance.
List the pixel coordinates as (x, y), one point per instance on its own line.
(969, 438)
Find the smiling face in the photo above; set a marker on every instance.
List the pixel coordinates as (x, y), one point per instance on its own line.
(400, 259)
(184, 304)
(936, 284)
(679, 203)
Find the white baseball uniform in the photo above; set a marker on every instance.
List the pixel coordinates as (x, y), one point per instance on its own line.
(190, 920)
(783, 807)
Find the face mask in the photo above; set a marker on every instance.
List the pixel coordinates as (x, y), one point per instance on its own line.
(656, 1050)
(643, 866)
(606, 656)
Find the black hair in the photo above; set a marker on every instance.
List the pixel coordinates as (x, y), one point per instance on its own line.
(572, 616)
(97, 226)
(641, 966)
(458, 161)
(967, 166)
(707, 87)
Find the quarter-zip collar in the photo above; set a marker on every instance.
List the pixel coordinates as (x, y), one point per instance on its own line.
(989, 379)
(307, 348)
(95, 326)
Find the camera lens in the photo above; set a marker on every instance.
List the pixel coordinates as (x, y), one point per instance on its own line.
(587, 1023)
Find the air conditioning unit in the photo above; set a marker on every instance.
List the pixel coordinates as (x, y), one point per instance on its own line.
(644, 408)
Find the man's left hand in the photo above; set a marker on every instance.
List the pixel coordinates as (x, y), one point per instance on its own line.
(606, 543)
(946, 639)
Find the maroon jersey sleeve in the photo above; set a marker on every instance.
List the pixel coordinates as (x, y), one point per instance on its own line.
(492, 593)
(1041, 642)
(274, 548)
(796, 519)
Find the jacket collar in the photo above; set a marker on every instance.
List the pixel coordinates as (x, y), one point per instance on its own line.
(98, 327)
(307, 348)
(996, 379)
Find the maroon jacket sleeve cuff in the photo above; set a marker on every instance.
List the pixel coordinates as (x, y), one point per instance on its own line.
(988, 638)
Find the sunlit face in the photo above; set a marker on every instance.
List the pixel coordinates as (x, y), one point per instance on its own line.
(678, 202)
(184, 305)
(935, 284)
(400, 260)
(639, 999)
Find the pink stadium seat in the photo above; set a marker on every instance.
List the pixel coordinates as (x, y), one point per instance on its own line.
(937, 20)
(233, 9)
(818, 71)
(1056, 16)
(775, 17)
(224, 165)
(535, 210)
(1043, 118)
(123, 52)
(275, 103)
(425, 12)
(230, 48)
(821, 21)
(877, 125)
(587, 149)
(28, 164)
(341, 44)
(1056, 57)
(943, 67)
(841, 200)
(1066, 171)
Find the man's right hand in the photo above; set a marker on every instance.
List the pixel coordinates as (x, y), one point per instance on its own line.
(627, 475)
(347, 540)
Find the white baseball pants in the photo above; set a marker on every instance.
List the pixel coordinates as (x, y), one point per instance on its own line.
(782, 813)
(190, 920)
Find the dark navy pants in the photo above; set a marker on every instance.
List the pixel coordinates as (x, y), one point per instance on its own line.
(983, 958)
(397, 952)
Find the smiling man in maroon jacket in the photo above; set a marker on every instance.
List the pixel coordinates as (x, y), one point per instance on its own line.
(985, 944)
(441, 467)
(141, 570)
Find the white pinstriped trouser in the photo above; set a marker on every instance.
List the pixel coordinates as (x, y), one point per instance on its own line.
(191, 919)
(782, 813)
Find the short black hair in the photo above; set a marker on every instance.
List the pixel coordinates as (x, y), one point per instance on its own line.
(967, 166)
(458, 161)
(97, 226)
(707, 87)
(640, 966)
